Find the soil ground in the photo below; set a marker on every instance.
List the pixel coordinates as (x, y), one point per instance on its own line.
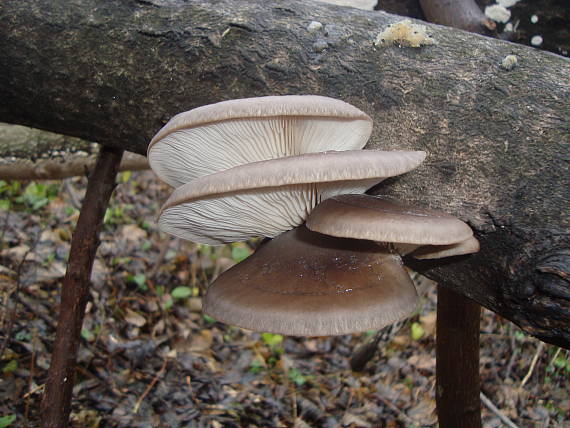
(149, 358)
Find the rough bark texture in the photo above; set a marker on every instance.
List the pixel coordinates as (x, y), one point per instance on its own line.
(457, 358)
(498, 141)
(75, 290)
(32, 154)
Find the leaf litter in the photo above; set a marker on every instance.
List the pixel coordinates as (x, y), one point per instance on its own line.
(149, 358)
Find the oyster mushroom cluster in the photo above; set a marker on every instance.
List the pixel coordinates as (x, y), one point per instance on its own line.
(292, 168)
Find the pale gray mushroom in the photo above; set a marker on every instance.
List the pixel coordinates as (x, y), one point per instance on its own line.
(308, 284)
(220, 136)
(469, 246)
(270, 197)
(405, 228)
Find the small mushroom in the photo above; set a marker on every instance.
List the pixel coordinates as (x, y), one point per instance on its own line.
(220, 136)
(270, 197)
(309, 284)
(422, 233)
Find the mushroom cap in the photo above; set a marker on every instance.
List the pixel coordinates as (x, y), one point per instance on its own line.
(308, 284)
(269, 197)
(220, 136)
(380, 219)
(469, 246)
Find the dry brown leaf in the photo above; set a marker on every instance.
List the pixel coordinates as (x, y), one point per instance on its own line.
(134, 318)
(132, 233)
(424, 412)
(422, 362)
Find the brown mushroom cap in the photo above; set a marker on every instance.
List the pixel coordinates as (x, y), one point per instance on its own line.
(469, 246)
(380, 219)
(269, 197)
(308, 284)
(220, 136)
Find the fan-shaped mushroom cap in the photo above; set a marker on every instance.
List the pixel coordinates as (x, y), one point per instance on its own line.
(469, 246)
(378, 219)
(269, 197)
(307, 284)
(220, 136)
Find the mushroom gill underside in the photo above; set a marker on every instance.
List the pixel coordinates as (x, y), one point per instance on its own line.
(290, 168)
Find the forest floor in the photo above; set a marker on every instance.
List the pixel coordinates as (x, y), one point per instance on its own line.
(149, 358)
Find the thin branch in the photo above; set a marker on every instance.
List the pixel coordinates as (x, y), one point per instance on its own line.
(150, 386)
(75, 289)
(396, 409)
(8, 329)
(489, 404)
(539, 350)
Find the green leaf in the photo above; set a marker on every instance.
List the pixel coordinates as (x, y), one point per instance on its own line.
(297, 377)
(181, 292)
(271, 339)
(167, 304)
(208, 318)
(256, 367)
(35, 195)
(87, 335)
(240, 253)
(126, 176)
(5, 204)
(6, 421)
(139, 279)
(23, 336)
(560, 362)
(520, 336)
(417, 331)
(10, 367)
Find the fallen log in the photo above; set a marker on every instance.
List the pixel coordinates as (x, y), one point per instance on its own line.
(497, 136)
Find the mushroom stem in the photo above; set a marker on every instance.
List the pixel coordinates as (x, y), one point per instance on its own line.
(457, 360)
(56, 403)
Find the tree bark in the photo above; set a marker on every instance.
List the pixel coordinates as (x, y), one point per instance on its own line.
(457, 358)
(497, 141)
(75, 289)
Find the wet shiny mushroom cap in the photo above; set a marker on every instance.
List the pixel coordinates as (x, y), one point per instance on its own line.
(220, 136)
(269, 197)
(384, 220)
(308, 284)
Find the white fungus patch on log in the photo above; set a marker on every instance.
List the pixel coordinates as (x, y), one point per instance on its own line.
(314, 26)
(509, 62)
(498, 13)
(404, 33)
(536, 40)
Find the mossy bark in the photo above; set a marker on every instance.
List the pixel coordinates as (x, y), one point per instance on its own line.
(498, 141)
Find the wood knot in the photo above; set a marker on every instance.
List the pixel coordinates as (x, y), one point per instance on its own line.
(552, 273)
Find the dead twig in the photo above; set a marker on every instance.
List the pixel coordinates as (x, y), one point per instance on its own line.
(150, 386)
(514, 353)
(164, 246)
(11, 320)
(74, 199)
(539, 350)
(395, 409)
(40, 314)
(489, 404)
